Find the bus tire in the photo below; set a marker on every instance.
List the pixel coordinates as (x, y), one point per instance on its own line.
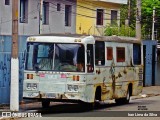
(45, 103)
(124, 100)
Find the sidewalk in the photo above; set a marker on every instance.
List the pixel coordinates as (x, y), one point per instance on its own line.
(147, 92)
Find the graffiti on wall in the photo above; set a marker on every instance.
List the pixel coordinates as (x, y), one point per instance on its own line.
(5, 67)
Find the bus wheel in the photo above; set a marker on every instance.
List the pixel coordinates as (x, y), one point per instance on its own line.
(45, 103)
(124, 100)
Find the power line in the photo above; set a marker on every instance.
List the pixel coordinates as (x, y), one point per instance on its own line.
(75, 13)
(86, 8)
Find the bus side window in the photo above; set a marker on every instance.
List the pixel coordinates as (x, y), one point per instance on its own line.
(136, 54)
(99, 53)
(90, 60)
(80, 59)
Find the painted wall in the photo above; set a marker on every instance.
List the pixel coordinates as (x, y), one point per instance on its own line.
(5, 59)
(150, 62)
(56, 18)
(86, 16)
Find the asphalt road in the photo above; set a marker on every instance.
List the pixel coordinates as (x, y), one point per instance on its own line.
(136, 109)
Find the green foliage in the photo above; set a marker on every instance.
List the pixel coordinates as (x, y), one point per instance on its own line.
(146, 20)
(147, 15)
(120, 31)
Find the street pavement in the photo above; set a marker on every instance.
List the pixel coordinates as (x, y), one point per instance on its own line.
(147, 92)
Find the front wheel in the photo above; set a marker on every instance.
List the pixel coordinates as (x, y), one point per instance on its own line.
(124, 100)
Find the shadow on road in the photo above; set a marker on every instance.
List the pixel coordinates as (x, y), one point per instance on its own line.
(66, 108)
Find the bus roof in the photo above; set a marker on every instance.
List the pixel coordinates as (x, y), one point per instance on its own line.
(71, 38)
(119, 39)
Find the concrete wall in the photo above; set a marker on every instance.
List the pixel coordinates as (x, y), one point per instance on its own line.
(56, 18)
(5, 59)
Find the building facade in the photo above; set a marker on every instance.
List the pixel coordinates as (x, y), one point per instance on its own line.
(93, 16)
(57, 16)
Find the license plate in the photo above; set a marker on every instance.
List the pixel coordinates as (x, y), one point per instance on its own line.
(51, 95)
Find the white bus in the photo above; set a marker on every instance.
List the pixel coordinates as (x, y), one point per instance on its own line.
(82, 68)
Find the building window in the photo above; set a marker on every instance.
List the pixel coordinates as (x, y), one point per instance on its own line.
(58, 7)
(99, 53)
(136, 54)
(7, 2)
(100, 16)
(109, 53)
(114, 17)
(23, 11)
(68, 11)
(45, 17)
(120, 54)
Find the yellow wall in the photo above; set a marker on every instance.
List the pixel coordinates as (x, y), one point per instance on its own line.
(86, 18)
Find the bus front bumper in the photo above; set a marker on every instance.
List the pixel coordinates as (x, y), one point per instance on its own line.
(46, 95)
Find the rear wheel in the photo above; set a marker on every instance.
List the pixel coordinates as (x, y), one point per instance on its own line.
(45, 103)
(124, 100)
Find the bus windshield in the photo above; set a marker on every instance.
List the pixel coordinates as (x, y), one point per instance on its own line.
(55, 57)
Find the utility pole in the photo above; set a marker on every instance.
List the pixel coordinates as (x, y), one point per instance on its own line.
(153, 35)
(138, 20)
(14, 86)
(40, 17)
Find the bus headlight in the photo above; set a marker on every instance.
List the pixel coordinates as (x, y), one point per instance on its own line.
(31, 86)
(72, 88)
(28, 86)
(75, 88)
(34, 87)
(69, 87)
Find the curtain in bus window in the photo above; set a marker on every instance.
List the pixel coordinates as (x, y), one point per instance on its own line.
(66, 57)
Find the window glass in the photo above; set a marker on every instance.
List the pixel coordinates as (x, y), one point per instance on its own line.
(100, 16)
(7, 2)
(90, 58)
(109, 53)
(58, 57)
(136, 54)
(68, 11)
(120, 54)
(45, 17)
(23, 11)
(99, 53)
(58, 7)
(113, 17)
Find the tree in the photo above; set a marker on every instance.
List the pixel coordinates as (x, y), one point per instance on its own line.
(146, 19)
(147, 11)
